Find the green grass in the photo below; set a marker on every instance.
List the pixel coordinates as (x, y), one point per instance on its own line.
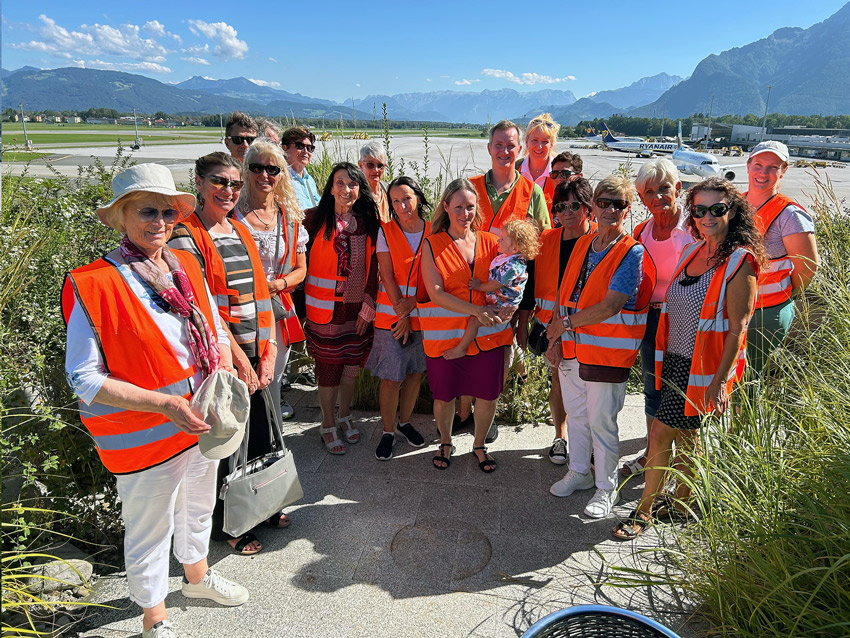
(96, 139)
(22, 156)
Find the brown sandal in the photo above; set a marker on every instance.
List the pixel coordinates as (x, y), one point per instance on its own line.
(633, 526)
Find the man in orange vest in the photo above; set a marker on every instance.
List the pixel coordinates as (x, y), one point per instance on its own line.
(789, 241)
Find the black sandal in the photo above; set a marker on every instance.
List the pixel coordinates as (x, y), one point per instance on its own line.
(244, 541)
(667, 508)
(439, 458)
(633, 526)
(488, 464)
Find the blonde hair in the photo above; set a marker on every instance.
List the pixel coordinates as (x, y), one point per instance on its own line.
(616, 185)
(135, 200)
(657, 171)
(440, 221)
(284, 193)
(548, 126)
(525, 235)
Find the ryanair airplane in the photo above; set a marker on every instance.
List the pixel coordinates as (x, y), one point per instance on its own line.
(639, 147)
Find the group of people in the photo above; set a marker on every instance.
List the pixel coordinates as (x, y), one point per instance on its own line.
(373, 275)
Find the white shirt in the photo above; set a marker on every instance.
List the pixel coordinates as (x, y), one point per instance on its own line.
(525, 171)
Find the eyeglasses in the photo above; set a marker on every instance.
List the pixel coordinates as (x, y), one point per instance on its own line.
(223, 182)
(271, 171)
(238, 140)
(372, 166)
(719, 209)
(617, 204)
(304, 147)
(563, 207)
(149, 213)
(564, 174)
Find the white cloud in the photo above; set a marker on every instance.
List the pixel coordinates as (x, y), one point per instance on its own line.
(198, 49)
(465, 82)
(357, 84)
(151, 67)
(272, 60)
(264, 83)
(227, 45)
(428, 80)
(196, 60)
(591, 94)
(155, 27)
(525, 78)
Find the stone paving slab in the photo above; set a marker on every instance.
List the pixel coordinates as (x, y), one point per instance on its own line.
(399, 548)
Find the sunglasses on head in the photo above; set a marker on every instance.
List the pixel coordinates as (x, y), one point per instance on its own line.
(223, 182)
(271, 171)
(238, 140)
(563, 207)
(565, 174)
(304, 147)
(719, 209)
(617, 204)
(149, 213)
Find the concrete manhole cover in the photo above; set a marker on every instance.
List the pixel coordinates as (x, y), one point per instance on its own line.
(420, 546)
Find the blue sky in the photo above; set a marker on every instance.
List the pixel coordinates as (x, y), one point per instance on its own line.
(341, 50)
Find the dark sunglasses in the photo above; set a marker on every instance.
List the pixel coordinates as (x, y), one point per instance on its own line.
(373, 166)
(617, 204)
(563, 207)
(223, 182)
(565, 174)
(149, 213)
(238, 140)
(304, 147)
(717, 210)
(271, 171)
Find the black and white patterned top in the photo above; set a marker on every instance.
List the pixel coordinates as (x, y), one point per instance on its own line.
(684, 303)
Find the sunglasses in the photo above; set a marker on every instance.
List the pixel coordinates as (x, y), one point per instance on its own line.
(373, 166)
(304, 147)
(149, 213)
(717, 210)
(238, 140)
(223, 182)
(271, 171)
(563, 207)
(617, 204)
(563, 174)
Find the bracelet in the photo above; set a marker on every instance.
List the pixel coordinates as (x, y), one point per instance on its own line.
(567, 323)
(273, 342)
(285, 285)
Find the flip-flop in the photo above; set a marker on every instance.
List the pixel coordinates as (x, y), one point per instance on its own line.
(279, 521)
(243, 542)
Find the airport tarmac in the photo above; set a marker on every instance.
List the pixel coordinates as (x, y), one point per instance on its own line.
(446, 156)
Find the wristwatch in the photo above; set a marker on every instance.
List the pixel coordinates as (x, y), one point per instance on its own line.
(568, 325)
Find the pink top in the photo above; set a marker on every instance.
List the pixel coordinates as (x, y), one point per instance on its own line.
(525, 172)
(665, 254)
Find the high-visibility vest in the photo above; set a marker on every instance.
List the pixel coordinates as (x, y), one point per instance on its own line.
(615, 341)
(443, 329)
(216, 276)
(774, 285)
(292, 332)
(405, 273)
(547, 266)
(711, 332)
(549, 194)
(320, 286)
(515, 205)
(133, 349)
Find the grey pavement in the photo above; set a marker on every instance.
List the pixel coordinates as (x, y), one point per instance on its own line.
(399, 548)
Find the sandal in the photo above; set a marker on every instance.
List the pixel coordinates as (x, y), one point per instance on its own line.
(279, 521)
(633, 467)
(488, 464)
(350, 433)
(669, 508)
(440, 458)
(242, 542)
(334, 446)
(632, 527)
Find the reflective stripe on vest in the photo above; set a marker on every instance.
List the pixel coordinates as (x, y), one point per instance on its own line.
(712, 329)
(774, 285)
(133, 349)
(515, 205)
(547, 268)
(443, 329)
(406, 265)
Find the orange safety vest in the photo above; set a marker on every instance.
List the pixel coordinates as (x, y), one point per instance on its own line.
(549, 194)
(405, 273)
(133, 350)
(216, 276)
(320, 286)
(547, 266)
(615, 341)
(711, 332)
(774, 285)
(292, 332)
(514, 207)
(442, 328)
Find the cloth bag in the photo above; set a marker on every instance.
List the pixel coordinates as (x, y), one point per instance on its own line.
(256, 490)
(538, 342)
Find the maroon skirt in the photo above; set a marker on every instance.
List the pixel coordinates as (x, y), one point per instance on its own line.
(481, 376)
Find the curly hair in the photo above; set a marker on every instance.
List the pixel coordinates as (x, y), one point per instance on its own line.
(525, 235)
(284, 192)
(324, 215)
(742, 232)
(441, 221)
(423, 207)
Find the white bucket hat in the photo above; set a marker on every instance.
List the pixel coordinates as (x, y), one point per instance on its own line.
(223, 402)
(150, 178)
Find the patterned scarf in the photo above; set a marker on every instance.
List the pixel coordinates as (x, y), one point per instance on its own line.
(179, 297)
(342, 242)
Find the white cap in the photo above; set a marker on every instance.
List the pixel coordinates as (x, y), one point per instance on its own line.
(223, 402)
(771, 146)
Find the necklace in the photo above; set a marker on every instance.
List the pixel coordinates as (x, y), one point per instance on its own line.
(266, 225)
(606, 246)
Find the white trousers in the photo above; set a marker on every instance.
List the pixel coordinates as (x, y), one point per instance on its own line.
(174, 499)
(592, 408)
(282, 357)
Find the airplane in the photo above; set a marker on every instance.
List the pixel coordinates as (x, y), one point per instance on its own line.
(635, 145)
(701, 165)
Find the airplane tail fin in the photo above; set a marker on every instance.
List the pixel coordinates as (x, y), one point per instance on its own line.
(679, 136)
(606, 134)
(588, 131)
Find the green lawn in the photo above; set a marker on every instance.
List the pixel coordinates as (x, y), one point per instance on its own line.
(106, 139)
(21, 156)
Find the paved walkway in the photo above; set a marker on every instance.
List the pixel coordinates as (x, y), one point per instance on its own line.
(401, 549)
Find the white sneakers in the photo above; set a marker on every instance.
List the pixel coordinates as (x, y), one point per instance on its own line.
(162, 629)
(571, 482)
(602, 502)
(217, 588)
